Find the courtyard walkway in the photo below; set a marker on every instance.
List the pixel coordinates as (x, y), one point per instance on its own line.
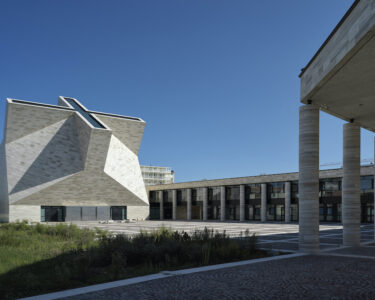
(303, 277)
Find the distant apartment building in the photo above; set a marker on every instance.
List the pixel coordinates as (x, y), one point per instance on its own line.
(153, 175)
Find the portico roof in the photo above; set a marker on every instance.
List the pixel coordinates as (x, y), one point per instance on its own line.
(340, 78)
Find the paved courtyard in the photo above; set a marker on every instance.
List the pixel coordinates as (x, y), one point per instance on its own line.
(276, 236)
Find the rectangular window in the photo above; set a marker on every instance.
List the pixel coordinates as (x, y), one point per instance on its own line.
(182, 197)
(214, 193)
(232, 193)
(367, 182)
(167, 196)
(252, 191)
(200, 194)
(294, 190)
(330, 185)
(276, 190)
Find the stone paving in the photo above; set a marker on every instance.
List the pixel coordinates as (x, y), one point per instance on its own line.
(338, 273)
(231, 228)
(306, 277)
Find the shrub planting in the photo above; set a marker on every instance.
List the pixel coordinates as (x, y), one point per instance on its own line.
(36, 259)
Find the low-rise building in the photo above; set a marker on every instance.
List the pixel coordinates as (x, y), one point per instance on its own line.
(256, 198)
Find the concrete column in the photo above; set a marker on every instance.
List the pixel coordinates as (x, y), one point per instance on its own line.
(287, 201)
(263, 203)
(174, 204)
(351, 190)
(161, 205)
(188, 196)
(222, 203)
(242, 202)
(205, 203)
(308, 184)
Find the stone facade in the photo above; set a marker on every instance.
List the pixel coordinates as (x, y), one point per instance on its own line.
(24, 212)
(55, 156)
(138, 212)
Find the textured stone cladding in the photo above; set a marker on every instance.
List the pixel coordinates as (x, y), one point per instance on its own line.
(31, 213)
(42, 158)
(4, 199)
(128, 131)
(138, 212)
(123, 165)
(53, 156)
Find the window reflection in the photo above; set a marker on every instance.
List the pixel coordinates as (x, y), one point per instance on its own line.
(276, 190)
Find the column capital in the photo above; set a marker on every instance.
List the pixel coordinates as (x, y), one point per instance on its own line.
(312, 107)
(352, 125)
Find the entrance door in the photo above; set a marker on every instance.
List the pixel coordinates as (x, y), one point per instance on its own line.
(280, 215)
(329, 212)
(370, 213)
(250, 212)
(321, 212)
(294, 212)
(118, 213)
(52, 213)
(367, 210)
(257, 213)
(154, 211)
(167, 210)
(271, 216)
(231, 212)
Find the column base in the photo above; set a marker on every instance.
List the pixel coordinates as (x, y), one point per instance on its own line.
(309, 244)
(352, 235)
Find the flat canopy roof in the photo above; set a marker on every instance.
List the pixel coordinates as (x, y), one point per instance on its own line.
(330, 36)
(340, 78)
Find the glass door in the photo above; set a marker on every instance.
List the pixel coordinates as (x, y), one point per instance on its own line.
(118, 213)
(370, 213)
(280, 213)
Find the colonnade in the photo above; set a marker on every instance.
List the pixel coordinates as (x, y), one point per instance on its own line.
(242, 205)
(308, 184)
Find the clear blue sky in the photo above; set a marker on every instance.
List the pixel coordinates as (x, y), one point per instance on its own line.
(216, 81)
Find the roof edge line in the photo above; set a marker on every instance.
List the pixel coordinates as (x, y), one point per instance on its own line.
(356, 2)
